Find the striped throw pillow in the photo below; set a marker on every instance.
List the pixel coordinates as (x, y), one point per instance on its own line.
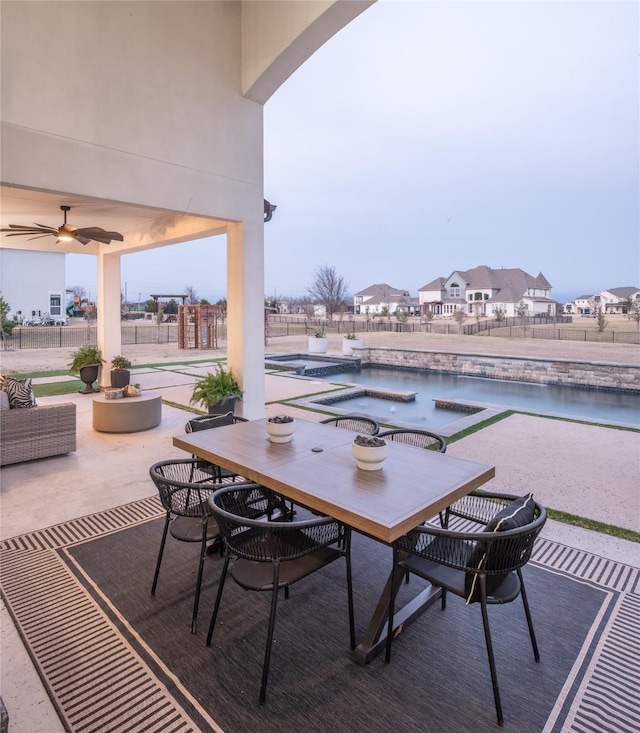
(20, 393)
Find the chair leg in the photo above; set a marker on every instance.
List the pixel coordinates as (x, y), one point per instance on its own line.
(443, 599)
(203, 550)
(487, 636)
(272, 623)
(162, 543)
(214, 615)
(527, 613)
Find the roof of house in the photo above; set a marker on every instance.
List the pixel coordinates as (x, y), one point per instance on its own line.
(384, 292)
(511, 283)
(624, 292)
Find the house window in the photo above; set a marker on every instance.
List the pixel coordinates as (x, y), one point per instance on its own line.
(454, 290)
(55, 304)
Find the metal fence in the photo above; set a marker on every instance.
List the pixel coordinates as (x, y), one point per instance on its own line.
(56, 337)
(49, 337)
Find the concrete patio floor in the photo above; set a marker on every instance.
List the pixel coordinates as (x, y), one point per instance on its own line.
(583, 469)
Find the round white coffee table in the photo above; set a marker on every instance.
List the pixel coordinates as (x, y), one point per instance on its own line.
(127, 414)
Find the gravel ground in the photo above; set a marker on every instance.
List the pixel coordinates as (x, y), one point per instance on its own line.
(57, 359)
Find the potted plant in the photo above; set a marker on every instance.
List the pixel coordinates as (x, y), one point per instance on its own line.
(350, 341)
(120, 374)
(318, 343)
(369, 452)
(217, 392)
(280, 428)
(132, 390)
(86, 362)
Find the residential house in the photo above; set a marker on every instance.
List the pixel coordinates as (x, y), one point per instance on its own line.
(612, 301)
(45, 297)
(481, 290)
(616, 300)
(382, 299)
(584, 304)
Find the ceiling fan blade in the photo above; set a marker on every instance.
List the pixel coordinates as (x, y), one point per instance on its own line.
(46, 234)
(82, 240)
(44, 226)
(100, 235)
(19, 228)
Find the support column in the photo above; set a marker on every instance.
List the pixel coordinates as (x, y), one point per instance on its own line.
(245, 315)
(108, 304)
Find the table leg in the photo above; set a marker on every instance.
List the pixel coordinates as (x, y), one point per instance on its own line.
(375, 637)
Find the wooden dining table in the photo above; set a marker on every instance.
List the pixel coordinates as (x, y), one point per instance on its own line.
(317, 469)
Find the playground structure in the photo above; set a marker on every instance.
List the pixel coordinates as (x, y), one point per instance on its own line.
(198, 326)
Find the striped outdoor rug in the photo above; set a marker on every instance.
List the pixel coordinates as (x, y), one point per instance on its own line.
(115, 659)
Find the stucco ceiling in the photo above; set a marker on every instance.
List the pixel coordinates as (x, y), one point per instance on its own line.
(142, 227)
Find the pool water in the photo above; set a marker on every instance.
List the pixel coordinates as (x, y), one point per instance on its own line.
(603, 406)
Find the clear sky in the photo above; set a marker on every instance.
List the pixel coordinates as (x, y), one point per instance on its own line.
(431, 136)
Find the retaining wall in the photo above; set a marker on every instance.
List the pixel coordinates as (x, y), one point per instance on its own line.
(596, 375)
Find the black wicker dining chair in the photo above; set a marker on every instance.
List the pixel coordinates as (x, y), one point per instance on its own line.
(273, 555)
(356, 423)
(184, 488)
(480, 560)
(207, 422)
(416, 438)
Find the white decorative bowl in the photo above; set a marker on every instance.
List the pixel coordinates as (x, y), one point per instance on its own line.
(113, 393)
(369, 458)
(280, 432)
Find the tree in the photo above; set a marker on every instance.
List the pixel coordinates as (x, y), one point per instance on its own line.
(477, 312)
(6, 324)
(79, 291)
(402, 315)
(192, 296)
(521, 311)
(459, 316)
(150, 306)
(329, 289)
(499, 313)
(627, 306)
(171, 308)
(601, 321)
(634, 312)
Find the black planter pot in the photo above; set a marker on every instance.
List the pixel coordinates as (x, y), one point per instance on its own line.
(120, 377)
(89, 374)
(228, 404)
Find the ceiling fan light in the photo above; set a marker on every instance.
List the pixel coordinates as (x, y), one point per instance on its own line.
(65, 237)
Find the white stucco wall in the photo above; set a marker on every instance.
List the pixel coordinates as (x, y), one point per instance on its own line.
(27, 279)
(143, 104)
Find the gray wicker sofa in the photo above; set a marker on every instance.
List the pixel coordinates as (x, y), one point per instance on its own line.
(37, 432)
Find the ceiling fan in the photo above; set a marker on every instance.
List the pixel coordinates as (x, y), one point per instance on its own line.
(65, 233)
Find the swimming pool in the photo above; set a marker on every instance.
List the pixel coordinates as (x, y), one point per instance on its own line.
(596, 405)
